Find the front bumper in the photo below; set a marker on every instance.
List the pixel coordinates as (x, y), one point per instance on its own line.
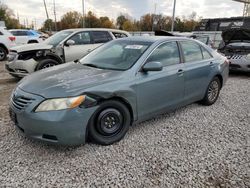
(64, 127)
(20, 68)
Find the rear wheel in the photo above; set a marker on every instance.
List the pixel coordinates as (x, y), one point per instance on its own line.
(110, 123)
(212, 92)
(3, 54)
(46, 63)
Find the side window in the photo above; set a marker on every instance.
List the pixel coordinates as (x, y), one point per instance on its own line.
(119, 35)
(206, 54)
(167, 54)
(81, 38)
(14, 33)
(101, 36)
(30, 33)
(191, 51)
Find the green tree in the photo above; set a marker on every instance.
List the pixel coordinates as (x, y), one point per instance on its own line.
(120, 21)
(106, 22)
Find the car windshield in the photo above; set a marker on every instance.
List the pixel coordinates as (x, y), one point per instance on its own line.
(58, 37)
(116, 55)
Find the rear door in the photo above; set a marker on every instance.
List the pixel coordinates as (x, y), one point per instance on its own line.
(198, 67)
(161, 90)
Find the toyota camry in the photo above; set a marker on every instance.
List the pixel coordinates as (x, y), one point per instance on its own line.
(121, 83)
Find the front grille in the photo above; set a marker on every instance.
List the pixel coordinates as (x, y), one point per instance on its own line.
(236, 57)
(20, 102)
(234, 66)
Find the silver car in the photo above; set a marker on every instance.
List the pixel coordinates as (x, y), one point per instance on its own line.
(64, 46)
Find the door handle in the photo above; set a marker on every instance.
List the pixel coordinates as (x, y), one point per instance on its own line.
(180, 71)
(89, 50)
(211, 63)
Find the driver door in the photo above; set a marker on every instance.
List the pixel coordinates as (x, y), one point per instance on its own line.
(83, 45)
(161, 90)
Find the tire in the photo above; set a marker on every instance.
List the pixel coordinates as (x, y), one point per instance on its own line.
(3, 54)
(46, 63)
(212, 92)
(110, 123)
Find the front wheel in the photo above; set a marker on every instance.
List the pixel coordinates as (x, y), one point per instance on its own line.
(110, 123)
(46, 63)
(212, 92)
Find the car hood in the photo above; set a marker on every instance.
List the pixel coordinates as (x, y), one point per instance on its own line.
(236, 35)
(31, 47)
(66, 80)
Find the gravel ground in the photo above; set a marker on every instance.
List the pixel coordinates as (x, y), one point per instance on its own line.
(194, 146)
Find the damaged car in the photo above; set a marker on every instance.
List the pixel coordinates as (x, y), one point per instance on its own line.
(64, 46)
(121, 83)
(236, 47)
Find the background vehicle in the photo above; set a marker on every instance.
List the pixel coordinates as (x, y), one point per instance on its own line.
(122, 82)
(7, 40)
(24, 36)
(236, 47)
(65, 46)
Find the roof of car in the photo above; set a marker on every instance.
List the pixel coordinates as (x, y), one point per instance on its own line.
(95, 29)
(153, 38)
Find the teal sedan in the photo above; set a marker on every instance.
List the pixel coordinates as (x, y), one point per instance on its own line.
(121, 83)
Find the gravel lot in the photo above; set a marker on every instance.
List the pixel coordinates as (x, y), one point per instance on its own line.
(194, 146)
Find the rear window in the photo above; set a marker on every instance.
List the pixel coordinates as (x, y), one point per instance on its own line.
(192, 51)
(101, 36)
(119, 35)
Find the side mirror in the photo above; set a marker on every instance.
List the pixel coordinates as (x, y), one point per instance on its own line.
(70, 43)
(152, 66)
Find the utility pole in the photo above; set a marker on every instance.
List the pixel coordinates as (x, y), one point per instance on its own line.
(153, 17)
(46, 10)
(83, 14)
(55, 15)
(173, 17)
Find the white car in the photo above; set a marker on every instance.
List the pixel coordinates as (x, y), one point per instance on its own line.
(62, 47)
(24, 36)
(7, 40)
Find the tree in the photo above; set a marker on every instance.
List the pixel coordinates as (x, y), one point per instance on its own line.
(146, 22)
(120, 21)
(7, 16)
(128, 26)
(92, 21)
(106, 22)
(71, 19)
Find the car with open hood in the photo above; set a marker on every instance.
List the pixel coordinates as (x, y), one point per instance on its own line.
(121, 83)
(64, 46)
(236, 47)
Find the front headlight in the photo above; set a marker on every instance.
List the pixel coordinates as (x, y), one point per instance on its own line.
(248, 56)
(60, 104)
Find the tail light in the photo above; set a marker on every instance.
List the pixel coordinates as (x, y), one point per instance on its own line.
(12, 38)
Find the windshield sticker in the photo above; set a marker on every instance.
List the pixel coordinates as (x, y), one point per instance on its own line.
(135, 47)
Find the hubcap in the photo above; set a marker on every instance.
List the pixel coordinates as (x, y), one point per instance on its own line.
(2, 54)
(48, 65)
(109, 122)
(213, 91)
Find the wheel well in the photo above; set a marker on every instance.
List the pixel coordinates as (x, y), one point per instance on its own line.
(52, 57)
(220, 78)
(123, 101)
(4, 47)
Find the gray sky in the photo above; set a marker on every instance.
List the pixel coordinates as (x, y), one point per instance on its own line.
(34, 9)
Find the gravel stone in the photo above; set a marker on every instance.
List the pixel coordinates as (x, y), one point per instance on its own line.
(194, 146)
